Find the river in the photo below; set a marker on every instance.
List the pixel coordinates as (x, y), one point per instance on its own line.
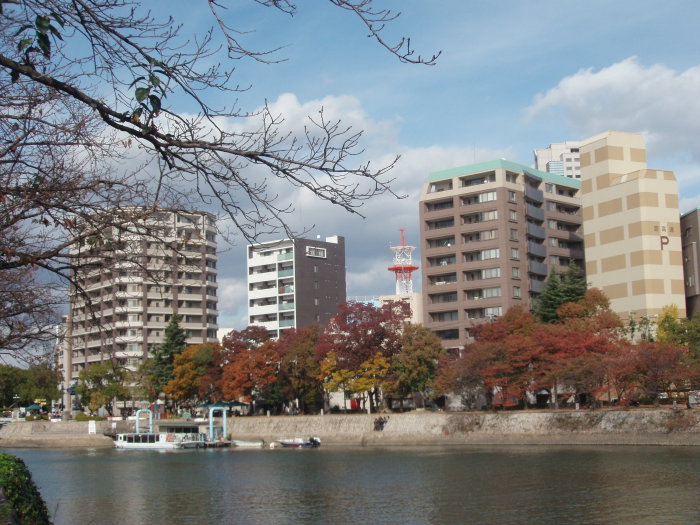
(338, 486)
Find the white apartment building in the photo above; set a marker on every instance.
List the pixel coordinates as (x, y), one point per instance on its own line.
(135, 281)
(295, 282)
(561, 158)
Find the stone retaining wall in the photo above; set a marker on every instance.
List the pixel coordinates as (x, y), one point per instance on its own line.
(616, 427)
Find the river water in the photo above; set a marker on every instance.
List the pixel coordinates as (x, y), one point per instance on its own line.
(338, 486)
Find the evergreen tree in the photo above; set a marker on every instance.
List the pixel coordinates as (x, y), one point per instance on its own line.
(551, 298)
(573, 284)
(161, 369)
(568, 287)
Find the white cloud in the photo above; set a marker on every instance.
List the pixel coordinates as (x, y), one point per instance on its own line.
(655, 100)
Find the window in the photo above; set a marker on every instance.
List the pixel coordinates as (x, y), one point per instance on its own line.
(514, 253)
(552, 224)
(511, 177)
(493, 311)
(493, 253)
(312, 251)
(513, 234)
(491, 292)
(490, 273)
(549, 187)
(553, 241)
(315, 285)
(441, 205)
(516, 292)
(515, 272)
(444, 316)
(315, 268)
(444, 223)
(315, 301)
(511, 196)
(513, 215)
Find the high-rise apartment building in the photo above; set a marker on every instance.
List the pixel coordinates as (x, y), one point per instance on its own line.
(561, 158)
(632, 226)
(133, 283)
(295, 282)
(490, 235)
(690, 241)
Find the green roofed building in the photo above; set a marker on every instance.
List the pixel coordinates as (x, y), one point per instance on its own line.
(490, 234)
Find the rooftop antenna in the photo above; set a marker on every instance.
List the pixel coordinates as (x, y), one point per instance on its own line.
(403, 266)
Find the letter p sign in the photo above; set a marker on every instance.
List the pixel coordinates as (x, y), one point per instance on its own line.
(664, 242)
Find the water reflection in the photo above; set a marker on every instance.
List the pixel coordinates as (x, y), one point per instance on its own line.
(505, 485)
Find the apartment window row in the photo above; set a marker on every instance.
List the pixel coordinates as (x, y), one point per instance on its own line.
(487, 196)
(441, 242)
(483, 235)
(440, 205)
(443, 223)
(474, 180)
(471, 313)
(312, 251)
(483, 216)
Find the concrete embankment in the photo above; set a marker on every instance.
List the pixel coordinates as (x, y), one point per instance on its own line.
(661, 426)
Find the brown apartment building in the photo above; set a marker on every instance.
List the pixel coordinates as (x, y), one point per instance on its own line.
(490, 235)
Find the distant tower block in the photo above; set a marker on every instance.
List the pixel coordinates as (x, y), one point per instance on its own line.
(403, 266)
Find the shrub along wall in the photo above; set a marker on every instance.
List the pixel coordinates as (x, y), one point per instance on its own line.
(22, 503)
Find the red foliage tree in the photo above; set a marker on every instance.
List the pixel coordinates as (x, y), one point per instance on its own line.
(250, 364)
(360, 330)
(299, 369)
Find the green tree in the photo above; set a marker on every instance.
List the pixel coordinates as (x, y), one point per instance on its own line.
(415, 367)
(101, 384)
(561, 288)
(160, 369)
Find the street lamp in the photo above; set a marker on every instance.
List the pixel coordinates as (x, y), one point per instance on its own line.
(15, 400)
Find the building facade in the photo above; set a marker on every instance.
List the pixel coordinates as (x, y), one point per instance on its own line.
(561, 158)
(129, 288)
(632, 227)
(490, 235)
(295, 282)
(690, 239)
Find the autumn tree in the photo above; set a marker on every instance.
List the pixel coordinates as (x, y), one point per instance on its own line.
(360, 330)
(299, 369)
(251, 364)
(189, 370)
(101, 384)
(112, 110)
(369, 379)
(334, 378)
(415, 367)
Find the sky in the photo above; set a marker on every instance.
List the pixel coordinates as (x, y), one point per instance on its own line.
(513, 76)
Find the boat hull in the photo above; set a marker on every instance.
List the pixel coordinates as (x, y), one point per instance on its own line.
(159, 441)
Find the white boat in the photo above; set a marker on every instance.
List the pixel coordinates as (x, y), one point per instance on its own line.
(160, 440)
(312, 442)
(247, 444)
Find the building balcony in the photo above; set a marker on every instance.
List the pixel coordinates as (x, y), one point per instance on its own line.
(286, 306)
(286, 323)
(262, 309)
(534, 212)
(534, 194)
(537, 268)
(535, 231)
(540, 250)
(263, 293)
(536, 286)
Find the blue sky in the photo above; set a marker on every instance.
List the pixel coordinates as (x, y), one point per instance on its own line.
(513, 76)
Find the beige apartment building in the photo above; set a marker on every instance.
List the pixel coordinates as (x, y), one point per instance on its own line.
(133, 286)
(490, 235)
(632, 226)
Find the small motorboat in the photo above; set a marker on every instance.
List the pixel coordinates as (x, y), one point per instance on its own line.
(312, 442)
(240, 443)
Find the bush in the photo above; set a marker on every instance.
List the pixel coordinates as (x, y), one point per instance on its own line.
(23, 498)
(82, 416)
